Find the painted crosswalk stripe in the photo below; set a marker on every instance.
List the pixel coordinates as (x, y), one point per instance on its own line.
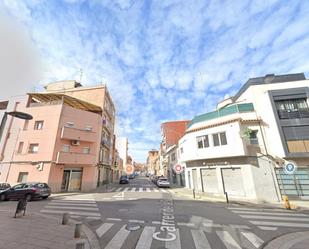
(279, 224)
(70, 212)
(140, 190)
(185, 224)
(73, 202)
(103, 229)
(118, 189)
(137, 221)
(148, 190)
(145, 239)
(156, 222)
(175, 244)
(112, 189)
(268, 228)
(270, 213)
(70, 204)
(156, 190)
(261, 210)
(257, 217)
(118, 240)
(163, 190)
(254, 239)
(228, 240)
(133, 189)
(126, 189)
(74, 208)
(239, 226)
(114, 219)
(200, 240)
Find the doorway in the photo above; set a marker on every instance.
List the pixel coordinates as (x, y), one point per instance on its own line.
(72, 180)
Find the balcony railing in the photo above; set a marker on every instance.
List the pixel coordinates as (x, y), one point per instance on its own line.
(55, 102)
(78, 134)
(293, 114)
(75, 158)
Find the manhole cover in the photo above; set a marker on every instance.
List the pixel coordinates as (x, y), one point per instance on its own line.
(133, 227)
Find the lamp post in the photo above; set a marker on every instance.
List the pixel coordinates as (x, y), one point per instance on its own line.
(15, 114)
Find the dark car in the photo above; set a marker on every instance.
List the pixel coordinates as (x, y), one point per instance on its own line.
(131, 176)
(28, 191)
(124, 180)
(4, 186)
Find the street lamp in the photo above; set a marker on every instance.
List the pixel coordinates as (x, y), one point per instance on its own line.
(15, 114)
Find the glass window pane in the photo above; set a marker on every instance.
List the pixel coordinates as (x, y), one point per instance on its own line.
(215, 138)
(223, 138)
(199, 142)
(206, 141)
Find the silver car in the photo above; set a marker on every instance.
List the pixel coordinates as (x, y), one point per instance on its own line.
(163, 182)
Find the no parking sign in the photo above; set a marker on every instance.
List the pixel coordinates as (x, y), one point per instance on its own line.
(178, 168)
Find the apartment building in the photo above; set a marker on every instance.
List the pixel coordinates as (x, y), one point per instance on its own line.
(171, 132)
(153, 162)
(241, 147)
(99, 96)
(122, 148)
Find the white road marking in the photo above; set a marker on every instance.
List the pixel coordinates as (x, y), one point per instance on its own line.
(148, 190)
(145, 239)
(74, 208)
(140, 190)
(175, 244)
(185, 224)
(239, 226)
(261, 210)
(110, 190)
(103, 229)
(94, 218)
(114, 219)
(156, 222)
(137, 221)
(118, 240)
(268, 228)
(257, 217)
(156, 190)
(163, 190)
(120, 195)
(228, 240)
(118, 189)
(70, 204)
(278, 224)
(133, 189)
(70, 212)
(212, 225)
(200, 240)
(269, 213)
(73, 202)
(254, 239)
(126, 190)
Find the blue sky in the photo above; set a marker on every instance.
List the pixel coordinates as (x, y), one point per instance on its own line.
(161, 60)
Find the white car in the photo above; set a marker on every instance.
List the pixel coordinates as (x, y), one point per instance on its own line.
(163, 182)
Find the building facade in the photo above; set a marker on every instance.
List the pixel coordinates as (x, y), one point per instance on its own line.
(153, 162)
(122, 148)
(241, 148)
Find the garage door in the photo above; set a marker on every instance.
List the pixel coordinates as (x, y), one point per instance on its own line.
(209, 180)
(233, 182)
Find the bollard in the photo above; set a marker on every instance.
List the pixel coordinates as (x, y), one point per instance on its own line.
(80, 245)
(286, 202)
(65, 218)
(226, 197)
(78, 228)
(193, 193)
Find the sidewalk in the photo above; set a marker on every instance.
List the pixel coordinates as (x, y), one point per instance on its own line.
(297, 240)
(36, 231)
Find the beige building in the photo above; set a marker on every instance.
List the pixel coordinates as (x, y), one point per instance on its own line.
(153, 162)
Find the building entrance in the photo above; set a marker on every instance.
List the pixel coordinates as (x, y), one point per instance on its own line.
(72, 179)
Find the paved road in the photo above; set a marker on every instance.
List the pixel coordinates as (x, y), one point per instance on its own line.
(141, 216)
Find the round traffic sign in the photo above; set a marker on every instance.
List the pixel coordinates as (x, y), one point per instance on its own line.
(290, 168)
(178, 168)
(129, 169)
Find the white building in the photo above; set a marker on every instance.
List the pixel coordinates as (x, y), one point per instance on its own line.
(240, 148)
(122, 147)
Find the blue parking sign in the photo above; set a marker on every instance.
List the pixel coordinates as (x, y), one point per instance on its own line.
(290, 168)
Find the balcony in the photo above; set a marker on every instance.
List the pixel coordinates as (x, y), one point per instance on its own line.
(71, 133)
(293, 114)
(75, 158)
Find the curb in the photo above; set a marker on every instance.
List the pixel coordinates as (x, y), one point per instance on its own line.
(287, 241)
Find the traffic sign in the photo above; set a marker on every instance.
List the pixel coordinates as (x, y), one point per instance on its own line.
(290, 167)
(129, 169)
(178, 168)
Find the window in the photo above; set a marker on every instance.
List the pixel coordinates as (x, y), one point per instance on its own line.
(215, 138)
(173, 157)
(66, 148)
(253, 137)
(22, 177)
(292, 108)
(181, 150)
(26, 124)
(38, 125)
(69, 124)
(202, 142)
(86, 150)
(219, 139)
(33, 148)
(20, 147)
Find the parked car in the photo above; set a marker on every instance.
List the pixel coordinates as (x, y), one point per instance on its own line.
(124, 180)
(131, 176)
(163, 182)
(28, 191)
(4, 186)
(147, 174)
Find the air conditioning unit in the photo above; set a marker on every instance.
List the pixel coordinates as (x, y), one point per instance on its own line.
(40, 166)
(74, 142)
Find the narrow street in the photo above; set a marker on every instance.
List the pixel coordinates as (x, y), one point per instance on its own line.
(140, 215)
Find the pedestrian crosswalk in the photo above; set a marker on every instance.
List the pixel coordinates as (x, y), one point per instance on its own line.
(115, 236)
(140, 189)
(77, 206)
(271, 219)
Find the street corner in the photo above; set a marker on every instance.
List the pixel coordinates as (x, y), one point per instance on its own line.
(296, 240)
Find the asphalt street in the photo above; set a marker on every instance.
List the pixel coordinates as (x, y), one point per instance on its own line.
(140, 215)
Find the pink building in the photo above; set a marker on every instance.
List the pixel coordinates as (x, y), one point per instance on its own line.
(61, 145)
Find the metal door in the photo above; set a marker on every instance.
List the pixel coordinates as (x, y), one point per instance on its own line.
(194, 178)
